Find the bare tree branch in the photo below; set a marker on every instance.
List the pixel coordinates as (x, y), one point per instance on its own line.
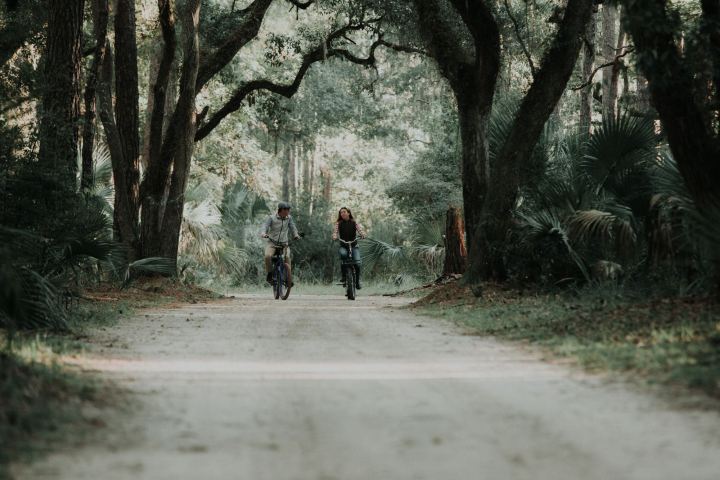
(320, 53)
(520, 39)
(600, 67)
(302, 5)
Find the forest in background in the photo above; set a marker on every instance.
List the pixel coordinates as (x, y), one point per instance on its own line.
(578, 140)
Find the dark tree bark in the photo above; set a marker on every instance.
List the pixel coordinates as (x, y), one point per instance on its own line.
(472, 78)
(100, 11)
(183, 122)
(608, 43)
(455, 250)
(160, 85)
(59, 132)
(692, 140)
(125, 213)
(247, 29)
(486, 257)
(587, 69)
(127, 118)
(710, 26)
(160, 150)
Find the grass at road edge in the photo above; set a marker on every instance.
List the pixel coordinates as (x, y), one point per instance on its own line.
(672, 341)
(46, 402)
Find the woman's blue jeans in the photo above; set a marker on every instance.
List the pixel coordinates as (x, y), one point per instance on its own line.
(343, 252)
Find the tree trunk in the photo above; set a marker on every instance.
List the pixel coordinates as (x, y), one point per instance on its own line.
(692, 141)
(507, 174)
(287, 159)
(326, 177)
(161, 150)
(474, 118)
(472, 78)
(455, 251)
(617, 68)
(311, 189)
(100, 11)
(587, 68)
(306, 172)
(608, 48)
(292, 172)
(185, 126)
(59, 131)
(644, 104)
(710, 27)
(126, 174)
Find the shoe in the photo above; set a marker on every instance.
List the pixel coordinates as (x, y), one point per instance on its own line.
(357, 285)
(343, 280)
(269, 278)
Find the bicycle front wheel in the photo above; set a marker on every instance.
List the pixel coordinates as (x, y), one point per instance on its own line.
(278, 281)
(288, 282)
(350, 286)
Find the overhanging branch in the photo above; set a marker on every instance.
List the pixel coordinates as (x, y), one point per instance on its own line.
(318, 54)
(520, 40)
(600, 67)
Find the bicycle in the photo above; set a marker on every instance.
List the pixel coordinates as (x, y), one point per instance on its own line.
(281, 272)
(348, 268)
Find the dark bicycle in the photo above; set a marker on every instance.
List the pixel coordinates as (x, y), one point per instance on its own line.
(347, 267)
(281, 273)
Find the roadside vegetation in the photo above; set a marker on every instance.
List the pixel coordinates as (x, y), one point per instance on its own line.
(45, 400)
(645, 334)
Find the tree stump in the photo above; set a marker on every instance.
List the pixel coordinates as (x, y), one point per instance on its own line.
(455, 251)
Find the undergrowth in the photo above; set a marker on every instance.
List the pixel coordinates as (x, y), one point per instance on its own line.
(670, 340)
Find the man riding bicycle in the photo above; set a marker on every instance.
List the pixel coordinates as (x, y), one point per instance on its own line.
(278, 228)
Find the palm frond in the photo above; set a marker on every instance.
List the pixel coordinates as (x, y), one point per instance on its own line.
(617, 152)
(375, 251)
(156, 265)
(544, 226)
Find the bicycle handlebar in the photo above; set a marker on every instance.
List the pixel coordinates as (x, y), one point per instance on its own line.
(345, 241)
(300, 235)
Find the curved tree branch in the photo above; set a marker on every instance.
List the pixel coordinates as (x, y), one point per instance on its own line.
(318, 54)
(247, 29)
(157, 117)
(600, 67)
(519, 38)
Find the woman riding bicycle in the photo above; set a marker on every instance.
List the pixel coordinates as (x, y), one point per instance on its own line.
(347, 229)
(277, 228)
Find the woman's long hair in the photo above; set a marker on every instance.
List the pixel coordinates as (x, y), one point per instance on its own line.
(349, 213)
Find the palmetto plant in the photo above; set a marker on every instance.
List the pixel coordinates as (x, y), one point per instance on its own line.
(421, 253)
(53, 253)
(589, 204)
(207, 242)
(683, 232)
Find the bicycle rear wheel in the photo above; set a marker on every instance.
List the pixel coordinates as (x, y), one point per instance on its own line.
(287, 282)
(350, 286)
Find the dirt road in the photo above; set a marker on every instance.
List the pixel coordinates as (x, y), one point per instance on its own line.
(320, 388)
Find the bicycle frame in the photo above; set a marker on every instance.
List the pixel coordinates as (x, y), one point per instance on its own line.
(282, 277)
(348, 267)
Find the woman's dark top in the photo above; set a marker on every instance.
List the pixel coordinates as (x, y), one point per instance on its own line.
(347, 230)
